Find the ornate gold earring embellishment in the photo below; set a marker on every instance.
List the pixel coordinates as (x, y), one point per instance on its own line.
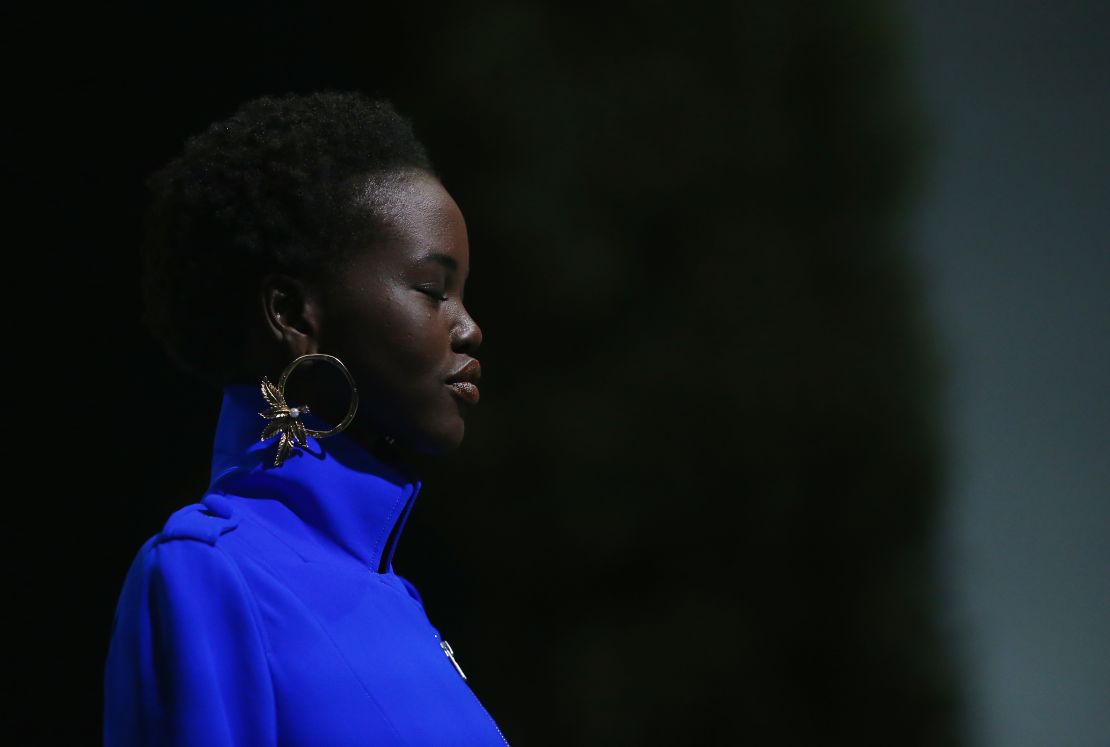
(287, 421)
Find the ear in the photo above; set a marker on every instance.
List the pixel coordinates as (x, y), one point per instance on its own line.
(292, 313)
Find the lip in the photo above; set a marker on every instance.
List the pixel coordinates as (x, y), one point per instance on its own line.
(464, 382)
(471, 371)
(465, 390)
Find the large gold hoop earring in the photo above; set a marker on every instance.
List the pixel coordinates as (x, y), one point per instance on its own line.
(286, 420)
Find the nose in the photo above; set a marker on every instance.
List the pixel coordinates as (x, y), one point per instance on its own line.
(467, 335)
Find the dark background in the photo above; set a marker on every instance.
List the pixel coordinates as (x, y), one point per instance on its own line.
(794, 418)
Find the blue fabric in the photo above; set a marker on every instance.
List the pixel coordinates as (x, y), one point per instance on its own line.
(269, 613)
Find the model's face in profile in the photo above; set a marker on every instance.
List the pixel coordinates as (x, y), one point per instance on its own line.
(396, 318)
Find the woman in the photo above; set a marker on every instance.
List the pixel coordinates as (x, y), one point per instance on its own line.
(304, 257)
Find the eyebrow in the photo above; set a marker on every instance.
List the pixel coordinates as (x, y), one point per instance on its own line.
(444, 259)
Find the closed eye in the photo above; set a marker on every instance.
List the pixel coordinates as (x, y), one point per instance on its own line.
(434, 293)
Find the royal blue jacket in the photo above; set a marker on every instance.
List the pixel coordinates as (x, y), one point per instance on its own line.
(269, 612)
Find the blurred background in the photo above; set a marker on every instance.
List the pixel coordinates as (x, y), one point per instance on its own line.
(794, 421)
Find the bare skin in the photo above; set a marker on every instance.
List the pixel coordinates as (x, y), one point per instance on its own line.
(394, 316)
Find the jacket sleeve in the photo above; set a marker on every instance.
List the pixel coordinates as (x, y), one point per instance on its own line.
(187, 661)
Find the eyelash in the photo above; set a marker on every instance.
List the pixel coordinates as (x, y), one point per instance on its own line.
(434, 294)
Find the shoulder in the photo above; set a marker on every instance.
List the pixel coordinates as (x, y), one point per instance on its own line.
(187, 620)
(187, 575)
(189, 537)
(189, 549)
(184, 571)
(193, 551)
(204, 522)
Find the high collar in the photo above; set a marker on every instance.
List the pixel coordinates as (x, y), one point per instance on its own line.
(347, 498)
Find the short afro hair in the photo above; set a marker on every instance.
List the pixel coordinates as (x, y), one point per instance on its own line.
(271, 188)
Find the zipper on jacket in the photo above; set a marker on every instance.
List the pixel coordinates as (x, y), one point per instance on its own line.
(451, 655)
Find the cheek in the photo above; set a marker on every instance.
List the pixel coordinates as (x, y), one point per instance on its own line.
(404, 339)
